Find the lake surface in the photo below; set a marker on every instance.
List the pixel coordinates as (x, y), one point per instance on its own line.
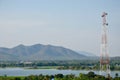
(26, 72)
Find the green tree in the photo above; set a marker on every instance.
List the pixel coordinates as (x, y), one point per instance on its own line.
(83, 77)
(91, 74)
(116, 75)
(17, 78)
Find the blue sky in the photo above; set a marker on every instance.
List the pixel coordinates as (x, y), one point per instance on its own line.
(74, 24)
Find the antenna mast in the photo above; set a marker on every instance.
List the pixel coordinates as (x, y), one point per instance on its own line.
(104, 58)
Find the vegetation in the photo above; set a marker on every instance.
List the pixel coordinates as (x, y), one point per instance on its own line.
(89, 76)
(68, 64)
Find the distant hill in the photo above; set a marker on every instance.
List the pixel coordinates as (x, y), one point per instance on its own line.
(39, 52)
(88, 54)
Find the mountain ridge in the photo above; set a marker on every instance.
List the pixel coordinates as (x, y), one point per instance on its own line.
(39, 52)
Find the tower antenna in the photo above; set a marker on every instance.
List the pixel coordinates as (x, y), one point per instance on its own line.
(104, 57)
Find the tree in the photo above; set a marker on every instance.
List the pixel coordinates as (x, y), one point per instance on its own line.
(59, 76)
(116, 75)
(91, 74)
(83, 77)
(17, 78)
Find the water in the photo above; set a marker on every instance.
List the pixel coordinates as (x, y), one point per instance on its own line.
(26, 72)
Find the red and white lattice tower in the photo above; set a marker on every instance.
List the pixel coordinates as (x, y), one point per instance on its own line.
(104, 58)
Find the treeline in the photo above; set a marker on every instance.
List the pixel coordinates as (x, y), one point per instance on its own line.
(67, 64)
(89, 76)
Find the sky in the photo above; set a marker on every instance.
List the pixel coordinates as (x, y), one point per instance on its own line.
(74, 24)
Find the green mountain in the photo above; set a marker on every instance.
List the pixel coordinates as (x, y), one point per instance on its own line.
(39, 52)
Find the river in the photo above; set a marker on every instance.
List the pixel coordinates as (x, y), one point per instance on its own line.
(26, 72)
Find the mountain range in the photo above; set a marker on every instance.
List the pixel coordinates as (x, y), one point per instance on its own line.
(39, 52)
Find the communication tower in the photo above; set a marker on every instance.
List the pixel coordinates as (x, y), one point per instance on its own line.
(104, 57)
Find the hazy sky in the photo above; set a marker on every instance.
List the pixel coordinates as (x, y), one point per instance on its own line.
(74, 24)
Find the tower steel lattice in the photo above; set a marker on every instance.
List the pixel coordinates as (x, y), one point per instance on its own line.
(104, 58)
